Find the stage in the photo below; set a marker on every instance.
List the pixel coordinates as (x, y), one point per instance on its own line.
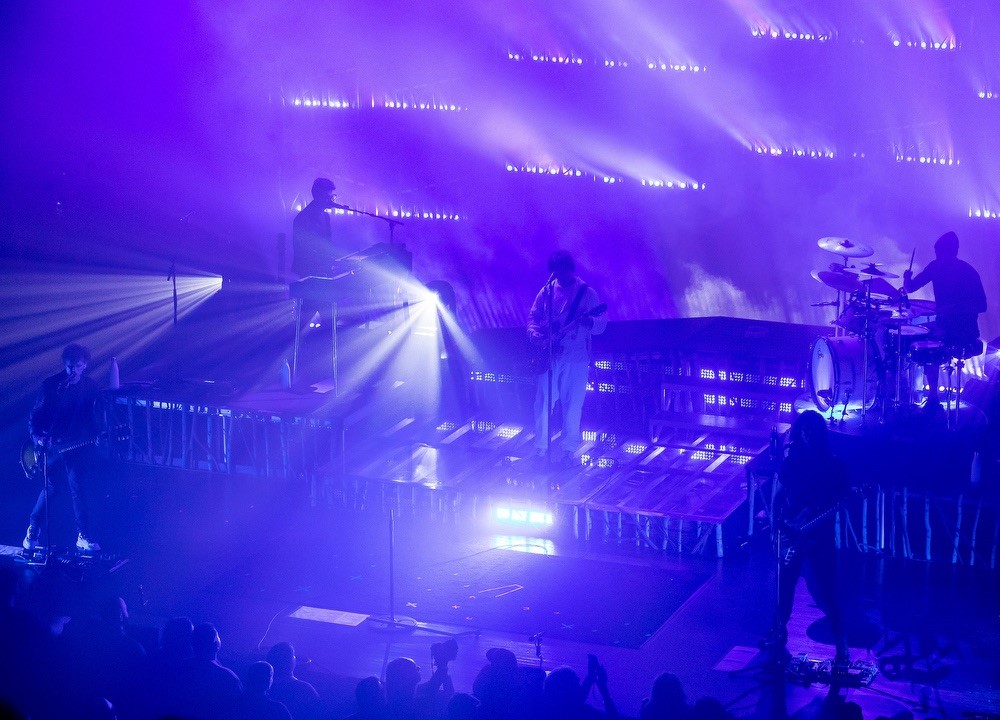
(266, 566)
(266, 510)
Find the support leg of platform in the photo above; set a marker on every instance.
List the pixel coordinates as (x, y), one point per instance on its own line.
(864, 524)
(880, 521)
(975, 530)
(958, 530)
(927, 527)
(149, 433)
(907, 550)
(718, 540)
(996, 540)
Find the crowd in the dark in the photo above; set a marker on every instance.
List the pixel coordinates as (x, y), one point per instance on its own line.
(92, 669)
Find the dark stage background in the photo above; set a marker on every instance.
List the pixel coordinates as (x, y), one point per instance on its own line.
(189, 133)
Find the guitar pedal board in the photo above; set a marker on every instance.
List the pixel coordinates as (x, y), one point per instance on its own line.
(806, 671)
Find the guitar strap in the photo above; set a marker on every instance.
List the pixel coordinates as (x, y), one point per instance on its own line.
(576, 303)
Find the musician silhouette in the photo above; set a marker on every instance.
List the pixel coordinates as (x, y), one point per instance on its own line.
(960, 298)
(811, 484)
(66, 413)
(573, 307)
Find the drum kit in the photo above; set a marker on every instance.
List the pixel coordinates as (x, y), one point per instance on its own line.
(880, 340)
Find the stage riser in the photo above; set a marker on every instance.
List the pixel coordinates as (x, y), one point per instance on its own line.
(727, 367)
(570, 521)
(905, 522)
(221, 440)
(963, 530)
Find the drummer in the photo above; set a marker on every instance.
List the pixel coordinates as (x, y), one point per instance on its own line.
(959, 297)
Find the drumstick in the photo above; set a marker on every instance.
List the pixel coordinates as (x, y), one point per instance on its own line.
(906, 299)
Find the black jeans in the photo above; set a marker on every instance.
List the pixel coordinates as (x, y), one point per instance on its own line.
(822, 581)
(75, 466)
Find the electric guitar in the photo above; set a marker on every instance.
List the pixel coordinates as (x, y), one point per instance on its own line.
(791, 533)
(33, 457)
(538, 361)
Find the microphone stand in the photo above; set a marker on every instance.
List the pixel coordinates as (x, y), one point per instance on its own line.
(393, 222)
(172, 277)
(393, 623)
(549, 403)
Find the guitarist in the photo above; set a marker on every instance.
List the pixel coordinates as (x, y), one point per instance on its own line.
(812, 483)
(66, 412)
(562, 318)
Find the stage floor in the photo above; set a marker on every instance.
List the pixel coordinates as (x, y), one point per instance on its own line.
(255, 561)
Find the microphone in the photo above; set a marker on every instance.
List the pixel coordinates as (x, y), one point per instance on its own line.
(535, 638)
(552, 279)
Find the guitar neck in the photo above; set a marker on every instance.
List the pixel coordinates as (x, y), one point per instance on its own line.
(59, 450)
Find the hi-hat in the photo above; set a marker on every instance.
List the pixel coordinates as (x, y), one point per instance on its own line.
(842, 281)
(919, 308)
(844, 247)
(874, 270)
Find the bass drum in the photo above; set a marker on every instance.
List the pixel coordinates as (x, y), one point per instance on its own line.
(836, 369)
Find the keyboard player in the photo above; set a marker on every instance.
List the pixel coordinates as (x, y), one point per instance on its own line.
(313, 248)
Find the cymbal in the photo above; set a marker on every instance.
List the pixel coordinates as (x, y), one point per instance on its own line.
(874, 270)
(844, 247)
(842, 281)
(878, 286)
(897, 321)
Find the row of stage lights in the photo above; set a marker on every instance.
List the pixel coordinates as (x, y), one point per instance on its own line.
(927, 159)
(417, 214)
(563, 171)
(387, 103)
(812, 153)
(405, 213)
(556, 59)
(778, 34)
(774, 33)
(925, 45)
(775, 151)
(436, 106)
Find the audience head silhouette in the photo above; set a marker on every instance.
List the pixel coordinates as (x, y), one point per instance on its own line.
(205, 642)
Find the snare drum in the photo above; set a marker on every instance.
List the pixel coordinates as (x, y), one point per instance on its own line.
(928, 352)
(837, 373)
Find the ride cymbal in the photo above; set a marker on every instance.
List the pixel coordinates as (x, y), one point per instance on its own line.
(844, 247)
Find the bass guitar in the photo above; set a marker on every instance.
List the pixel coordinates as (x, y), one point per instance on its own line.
(538, 361)
(34, 458)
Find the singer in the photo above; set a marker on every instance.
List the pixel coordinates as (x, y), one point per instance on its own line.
(563, 318)
(313, 252)
(64, 414)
